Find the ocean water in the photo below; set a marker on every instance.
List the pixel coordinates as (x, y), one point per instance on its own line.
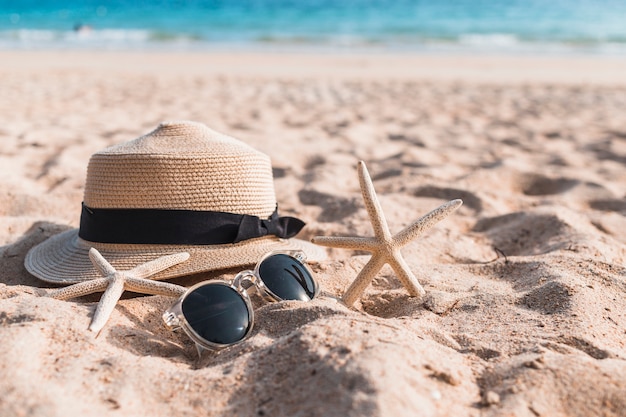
(517, 26)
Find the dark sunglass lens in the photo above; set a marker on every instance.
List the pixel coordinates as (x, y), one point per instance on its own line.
(217, 313)
(286, 277)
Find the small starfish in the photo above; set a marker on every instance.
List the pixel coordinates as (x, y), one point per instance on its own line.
(115, 283)
(384, 247)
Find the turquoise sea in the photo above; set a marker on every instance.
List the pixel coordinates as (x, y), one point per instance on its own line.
(516, 26)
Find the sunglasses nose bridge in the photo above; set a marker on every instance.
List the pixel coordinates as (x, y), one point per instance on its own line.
(244, 280)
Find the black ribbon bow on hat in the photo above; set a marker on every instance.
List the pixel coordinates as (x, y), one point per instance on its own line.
(252, 226)
(180, 227)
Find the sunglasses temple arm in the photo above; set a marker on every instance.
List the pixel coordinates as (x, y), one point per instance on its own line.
(172, 322)
(200, 349)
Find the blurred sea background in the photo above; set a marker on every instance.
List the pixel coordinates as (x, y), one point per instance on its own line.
(476, 26)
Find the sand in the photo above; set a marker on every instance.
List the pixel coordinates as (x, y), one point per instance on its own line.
(525, 311)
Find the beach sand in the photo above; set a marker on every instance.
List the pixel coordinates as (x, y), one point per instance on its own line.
(525, 306)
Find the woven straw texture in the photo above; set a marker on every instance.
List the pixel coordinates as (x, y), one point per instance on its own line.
(180, 165)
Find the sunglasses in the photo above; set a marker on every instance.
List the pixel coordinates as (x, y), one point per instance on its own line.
(218, 314)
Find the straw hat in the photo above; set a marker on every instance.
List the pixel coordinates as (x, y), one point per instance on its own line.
(181, 188)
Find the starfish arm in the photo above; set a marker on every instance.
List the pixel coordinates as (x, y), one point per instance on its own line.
(361, 243)
(374, 210)
(426, 222)
(363, 279)
(101, 264)
(107, 303)
(157, 265)
(79, 289)
(148, 286)
(406, 277)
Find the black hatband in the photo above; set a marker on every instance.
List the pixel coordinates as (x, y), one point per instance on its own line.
(180, 227)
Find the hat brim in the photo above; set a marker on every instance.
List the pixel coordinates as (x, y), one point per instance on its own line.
(64, 258)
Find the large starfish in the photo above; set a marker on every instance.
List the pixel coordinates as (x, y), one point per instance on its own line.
(384, 247)
(115, 283)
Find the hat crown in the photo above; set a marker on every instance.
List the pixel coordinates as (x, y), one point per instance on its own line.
(182, 166)
(180, 139)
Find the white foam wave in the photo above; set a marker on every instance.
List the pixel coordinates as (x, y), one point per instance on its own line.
(83, 36)
(89, 38)
(489, 40)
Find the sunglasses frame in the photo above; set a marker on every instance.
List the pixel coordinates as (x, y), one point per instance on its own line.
(243, 283)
